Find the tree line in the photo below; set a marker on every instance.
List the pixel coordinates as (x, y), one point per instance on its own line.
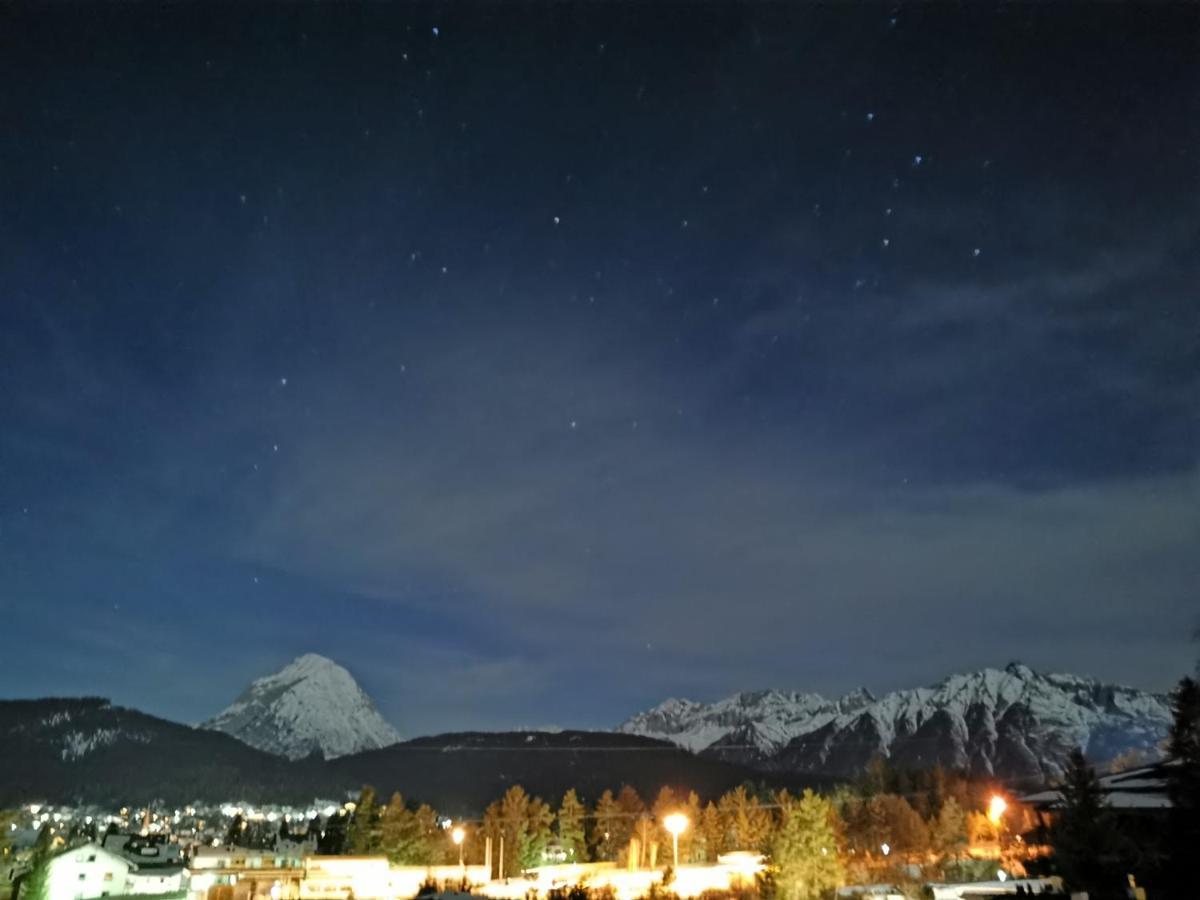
(812, 841)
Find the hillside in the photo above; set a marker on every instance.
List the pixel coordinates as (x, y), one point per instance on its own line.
(88, 750)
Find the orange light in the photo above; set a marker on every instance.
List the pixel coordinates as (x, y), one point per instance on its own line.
(675, 823)
(996, 807)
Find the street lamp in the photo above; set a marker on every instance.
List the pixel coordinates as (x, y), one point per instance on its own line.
(458, 836)
(996, 808)
(886, 848)
(676, 823)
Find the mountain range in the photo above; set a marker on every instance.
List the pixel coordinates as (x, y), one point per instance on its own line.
(1012, 723)
(87, 750)
(310, 731)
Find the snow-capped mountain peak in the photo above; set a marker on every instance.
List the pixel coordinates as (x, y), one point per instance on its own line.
(310, 705)
(1013, 722)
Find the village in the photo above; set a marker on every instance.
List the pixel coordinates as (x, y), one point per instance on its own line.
(184, 854)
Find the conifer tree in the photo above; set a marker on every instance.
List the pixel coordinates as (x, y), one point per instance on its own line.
(538, 819)
(804, 848)
(605, 836)
(745, 822)
(948, 832)
(234, 833)
(493, 828)
(1083, 835)
(1183, 783)
(632, 820)
(571, 827)
(689, 840)
(398, 832)
(333, 837)
(712, 833)
(664, 805)
(429, 844)
(362, 836)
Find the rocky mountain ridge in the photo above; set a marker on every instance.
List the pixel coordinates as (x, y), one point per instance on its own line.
(1012, 723)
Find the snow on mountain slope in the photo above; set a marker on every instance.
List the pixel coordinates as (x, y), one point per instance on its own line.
(1011, 722)
(312, 704)
(766, 720)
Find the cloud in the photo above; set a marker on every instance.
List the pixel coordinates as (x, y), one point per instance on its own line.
(665, 564)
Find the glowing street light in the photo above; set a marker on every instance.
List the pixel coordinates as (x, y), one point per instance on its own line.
(676, 823)
(886, 848)
(996, 808)
(458, 836)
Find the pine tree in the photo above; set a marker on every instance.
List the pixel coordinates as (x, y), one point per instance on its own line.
(689, 840)
(493, 828)
(514, 807)
(362, 837)
(234, 833)
(605, 836)
(570, 827)
(430, 846)
(538, 819)
(746, 823)
(948, 832)
(664, 805)
(804, 851)
(630, 821)
(712, 833)
(398, 832)
(333, 839)
(1083, 835)
(1183, 782)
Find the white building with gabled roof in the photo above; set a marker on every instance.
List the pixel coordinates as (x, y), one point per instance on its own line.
(89, 872)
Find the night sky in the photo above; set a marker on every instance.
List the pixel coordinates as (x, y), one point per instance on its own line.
(538, 363)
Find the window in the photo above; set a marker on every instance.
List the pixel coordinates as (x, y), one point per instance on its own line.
(92, 858)
(108, 876)
(82, 875)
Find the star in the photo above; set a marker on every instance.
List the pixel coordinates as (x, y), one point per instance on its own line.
(283, 382)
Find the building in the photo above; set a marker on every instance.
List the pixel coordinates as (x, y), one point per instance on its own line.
(235, 873)
(89, 872)
(1142, 790)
